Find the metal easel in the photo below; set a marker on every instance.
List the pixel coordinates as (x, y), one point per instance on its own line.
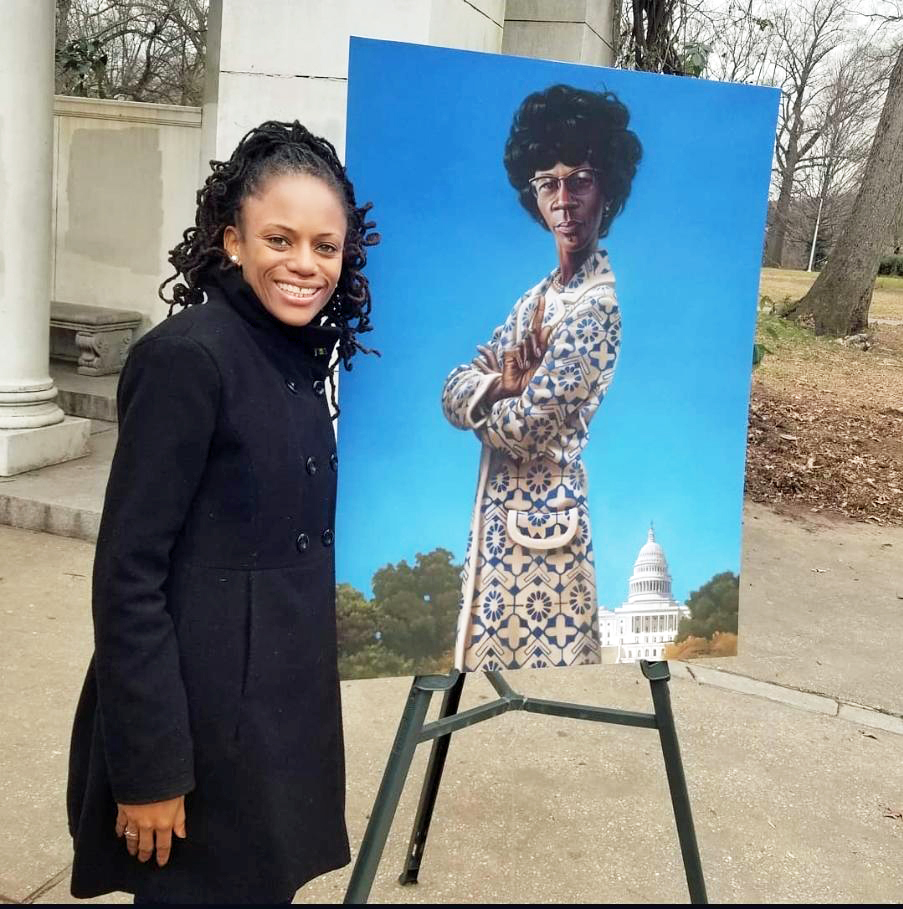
(413, 729)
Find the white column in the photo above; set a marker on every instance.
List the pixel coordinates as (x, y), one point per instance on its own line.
(286, 59)
(573, 31)
(33, 430)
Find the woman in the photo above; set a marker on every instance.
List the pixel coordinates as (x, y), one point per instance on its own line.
(207, 762)
(529, 590)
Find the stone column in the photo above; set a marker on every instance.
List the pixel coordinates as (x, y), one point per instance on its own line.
(573, 31)
(34, 431)
(286, 60)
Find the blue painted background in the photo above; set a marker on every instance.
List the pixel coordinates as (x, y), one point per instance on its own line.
(426, 133)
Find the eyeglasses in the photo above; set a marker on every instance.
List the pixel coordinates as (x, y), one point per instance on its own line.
(578, 183)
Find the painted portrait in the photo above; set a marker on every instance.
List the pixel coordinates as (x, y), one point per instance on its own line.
(564, 302)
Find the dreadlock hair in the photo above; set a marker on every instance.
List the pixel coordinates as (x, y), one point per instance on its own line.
(275, 148)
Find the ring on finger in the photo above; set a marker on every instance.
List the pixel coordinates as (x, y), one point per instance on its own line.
(131, 834)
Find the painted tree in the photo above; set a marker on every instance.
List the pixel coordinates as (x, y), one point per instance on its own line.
(838, 302)
(356, 620)
(713, 607)
(417, 606)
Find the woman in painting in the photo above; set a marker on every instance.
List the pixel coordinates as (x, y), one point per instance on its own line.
(529, 590)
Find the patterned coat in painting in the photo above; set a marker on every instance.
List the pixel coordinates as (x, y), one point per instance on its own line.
(529, 585)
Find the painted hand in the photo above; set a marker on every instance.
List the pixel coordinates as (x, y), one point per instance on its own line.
(521, 362)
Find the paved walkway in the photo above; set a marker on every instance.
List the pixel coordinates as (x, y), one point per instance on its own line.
(795, 798)
(822, 611)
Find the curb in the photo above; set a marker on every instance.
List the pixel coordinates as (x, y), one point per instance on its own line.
(49, 517)
(792, 697)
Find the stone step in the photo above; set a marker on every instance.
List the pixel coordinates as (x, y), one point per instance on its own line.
(65, 499)
(93, 397)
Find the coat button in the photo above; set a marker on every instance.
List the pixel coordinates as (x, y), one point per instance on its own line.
(319, 388)
(302, 542)
(290, 385)
(334, 461)
(312, 466)
(328, 537)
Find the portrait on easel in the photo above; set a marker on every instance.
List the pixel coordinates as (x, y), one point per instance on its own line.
(544, 468)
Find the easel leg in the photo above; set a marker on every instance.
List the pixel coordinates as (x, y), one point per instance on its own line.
(390, 790)
(428, 796)
(659, 675)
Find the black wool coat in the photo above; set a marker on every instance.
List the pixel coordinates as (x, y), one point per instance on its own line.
(214, 672)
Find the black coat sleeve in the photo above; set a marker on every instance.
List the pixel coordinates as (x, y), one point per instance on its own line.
(168, 400)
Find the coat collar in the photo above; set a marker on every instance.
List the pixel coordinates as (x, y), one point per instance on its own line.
(318, 341)
(596, 270)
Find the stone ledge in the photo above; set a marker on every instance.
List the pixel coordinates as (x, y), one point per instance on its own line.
(84, 317)
(84, 396)
(22, 450)
(127, 111)
(66, 499)
(48, 517)
(792, 697)
(814, 703)
(866, 716)
(95, 337)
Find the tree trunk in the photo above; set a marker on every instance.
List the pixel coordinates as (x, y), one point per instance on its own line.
(777, 235)
(61, 40)
(774, 247)
(838, 302)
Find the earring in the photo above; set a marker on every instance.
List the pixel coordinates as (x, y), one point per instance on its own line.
(234, 258)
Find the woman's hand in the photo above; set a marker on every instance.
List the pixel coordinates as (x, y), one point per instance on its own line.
(142, 824)
(521, 362)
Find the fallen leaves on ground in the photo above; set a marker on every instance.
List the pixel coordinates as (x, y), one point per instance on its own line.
(826, 420)
(826, 453)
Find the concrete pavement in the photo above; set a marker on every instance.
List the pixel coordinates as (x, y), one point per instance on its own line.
(791, 805)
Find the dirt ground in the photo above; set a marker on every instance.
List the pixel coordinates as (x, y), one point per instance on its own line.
(826, 419)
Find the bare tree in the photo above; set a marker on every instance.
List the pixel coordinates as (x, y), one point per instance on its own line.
(137, 50)
(743, 45)
(829, 177)
(806, 34)
(838, 302)
(664, 36)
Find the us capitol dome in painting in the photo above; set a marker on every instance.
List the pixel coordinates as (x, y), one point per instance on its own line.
(642, 626)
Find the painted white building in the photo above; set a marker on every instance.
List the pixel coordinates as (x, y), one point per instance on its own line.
(647, 621)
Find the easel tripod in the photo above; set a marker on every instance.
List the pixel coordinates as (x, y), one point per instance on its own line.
(413, 730)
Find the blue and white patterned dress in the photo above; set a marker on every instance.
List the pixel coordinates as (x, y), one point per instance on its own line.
(529, 582)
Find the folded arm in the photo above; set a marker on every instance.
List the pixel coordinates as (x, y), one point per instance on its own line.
(467, 385)
(573, 376)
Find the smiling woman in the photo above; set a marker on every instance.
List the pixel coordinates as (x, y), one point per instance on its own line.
(208, 736)
(293, 265)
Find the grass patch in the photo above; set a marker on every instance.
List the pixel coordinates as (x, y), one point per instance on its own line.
(782, 337)
(889, 282)
(783, 285)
